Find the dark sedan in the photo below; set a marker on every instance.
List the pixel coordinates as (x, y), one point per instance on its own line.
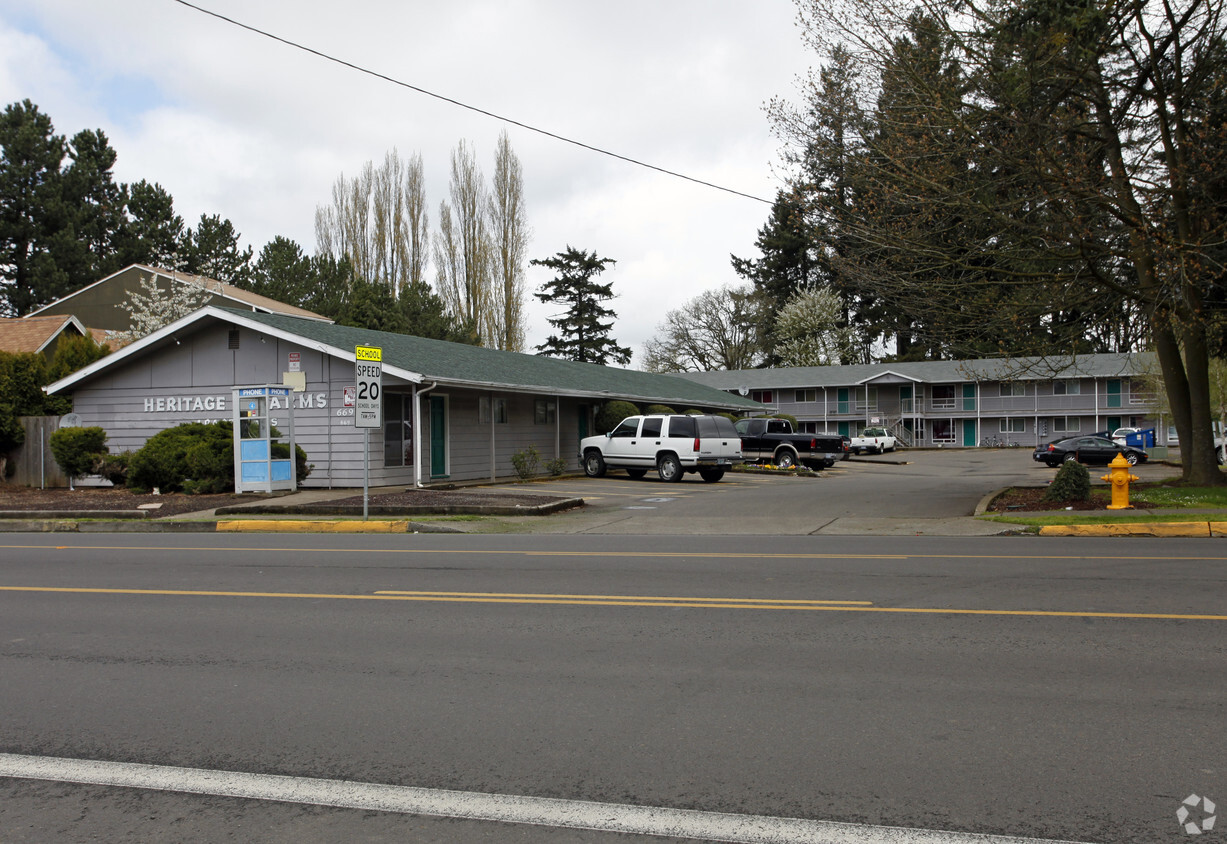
(1099, 450)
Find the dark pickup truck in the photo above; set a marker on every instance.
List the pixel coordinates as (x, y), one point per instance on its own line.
(773, 441)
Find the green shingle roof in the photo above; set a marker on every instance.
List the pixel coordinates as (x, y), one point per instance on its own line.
(456, 363)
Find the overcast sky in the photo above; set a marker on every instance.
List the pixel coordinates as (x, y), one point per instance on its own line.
(234, 124)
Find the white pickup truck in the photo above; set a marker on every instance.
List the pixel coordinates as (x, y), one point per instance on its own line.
(872, 441)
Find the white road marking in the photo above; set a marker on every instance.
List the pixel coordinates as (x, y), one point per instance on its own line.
(501, 808)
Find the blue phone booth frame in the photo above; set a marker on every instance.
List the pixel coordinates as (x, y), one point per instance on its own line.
(256, 469)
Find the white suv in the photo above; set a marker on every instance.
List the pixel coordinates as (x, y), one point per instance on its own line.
(672, 444)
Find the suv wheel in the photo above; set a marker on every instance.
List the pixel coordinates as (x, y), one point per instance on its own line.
(594, 464)
(669, 468)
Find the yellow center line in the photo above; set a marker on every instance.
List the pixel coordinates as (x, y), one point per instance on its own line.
(624, 597)
(696, 603)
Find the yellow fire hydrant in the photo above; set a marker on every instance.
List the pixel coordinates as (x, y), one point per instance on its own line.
(1119, 476)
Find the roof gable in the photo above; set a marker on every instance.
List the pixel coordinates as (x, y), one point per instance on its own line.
(34, 334)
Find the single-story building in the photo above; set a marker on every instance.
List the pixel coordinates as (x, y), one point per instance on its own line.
(967, 403)
(42, 333)
(450, 411)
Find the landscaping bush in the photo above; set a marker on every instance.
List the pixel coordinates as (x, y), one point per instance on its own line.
(611, 413)
(526, 462)
(78, 450)
(113, 467)
(658, 408)
(556, 466)
(1072, 483)
(199, 452)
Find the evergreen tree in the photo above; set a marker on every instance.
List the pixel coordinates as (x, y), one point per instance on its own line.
(212, 250)
(31, 209)
(152, 233)
(582, 334)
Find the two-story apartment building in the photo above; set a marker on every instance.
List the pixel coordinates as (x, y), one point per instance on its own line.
(958, 403)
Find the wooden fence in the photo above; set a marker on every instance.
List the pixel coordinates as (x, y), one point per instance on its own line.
(32, 461)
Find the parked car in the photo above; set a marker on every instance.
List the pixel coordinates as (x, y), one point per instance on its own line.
(1119, 435)
(873, 441)
(672, 444)
(1092, 450)
(767, 440)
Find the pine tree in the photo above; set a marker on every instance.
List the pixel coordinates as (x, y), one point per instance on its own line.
(582, 335)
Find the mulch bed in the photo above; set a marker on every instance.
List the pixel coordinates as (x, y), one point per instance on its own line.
(18, 498)
(1020, 498)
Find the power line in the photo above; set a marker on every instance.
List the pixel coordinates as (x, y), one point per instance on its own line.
(472, 108)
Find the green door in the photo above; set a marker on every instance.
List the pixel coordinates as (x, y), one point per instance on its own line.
(905, 398)
(1113, 423)
(438, 437)
(969, 398)
(843, 429)
(841, 400)
(969, 433)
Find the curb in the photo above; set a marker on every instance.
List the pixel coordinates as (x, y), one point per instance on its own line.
(1201, 530)
(352, 510)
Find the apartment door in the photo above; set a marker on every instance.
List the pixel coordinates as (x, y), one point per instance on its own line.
(438, 437)
(969, 433)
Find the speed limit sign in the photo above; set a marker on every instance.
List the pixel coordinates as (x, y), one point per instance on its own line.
(368, 371)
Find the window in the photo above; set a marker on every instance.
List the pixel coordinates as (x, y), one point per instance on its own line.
(1066, 424)
(652, 426)
(943, 396)
(763, 396)
(487, 406)
(1013, 388)
(397, 430)
(943, 430)
(1066, 388)
(544, 412)
(806, 396)
(1013, 425)
(682, 426)
(626, 429)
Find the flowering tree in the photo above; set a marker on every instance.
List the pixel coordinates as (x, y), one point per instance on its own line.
(155, 308)
(810, 330)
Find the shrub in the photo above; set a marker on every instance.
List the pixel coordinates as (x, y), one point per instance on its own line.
(1072, 483)
(77, 450)
(526, 462)
(113, 467)
(178, 454)
(657, 408)
(612, 413)
(556, 466)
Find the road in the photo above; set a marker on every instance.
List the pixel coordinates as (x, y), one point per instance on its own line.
(1061, 689)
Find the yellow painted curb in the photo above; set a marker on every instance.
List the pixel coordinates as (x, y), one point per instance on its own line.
(312, 526)
(1187, 529)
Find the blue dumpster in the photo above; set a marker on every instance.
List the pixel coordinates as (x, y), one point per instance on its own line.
(1141, 439)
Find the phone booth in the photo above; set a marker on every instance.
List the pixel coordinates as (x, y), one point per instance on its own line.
(264, 444)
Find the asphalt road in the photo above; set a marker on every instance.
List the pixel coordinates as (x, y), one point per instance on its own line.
(1018, 686)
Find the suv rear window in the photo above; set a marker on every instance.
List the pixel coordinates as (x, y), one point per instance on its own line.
(682, 426)
(725, 427)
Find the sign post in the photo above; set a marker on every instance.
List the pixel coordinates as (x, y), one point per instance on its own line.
(368, 408)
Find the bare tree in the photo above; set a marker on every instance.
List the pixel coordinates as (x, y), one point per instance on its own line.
(510, 233)
(463, 248)
(378, 221)
(717, 330)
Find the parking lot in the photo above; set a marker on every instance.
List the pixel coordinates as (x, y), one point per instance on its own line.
(910, 492)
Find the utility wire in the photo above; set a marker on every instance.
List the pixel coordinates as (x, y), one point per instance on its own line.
(454, 102)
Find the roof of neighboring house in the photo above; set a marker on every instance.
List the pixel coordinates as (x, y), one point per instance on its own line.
(419, 360)
(218, 288)
(1111, 365)
(33, 334)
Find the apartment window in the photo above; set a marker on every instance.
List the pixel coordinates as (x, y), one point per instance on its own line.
(1066, 424)
(544, 411)
(1066, 388)
(943, 396)
(763, 396)
(1013, 388)
(806, 396)
(943, 430)
(1013, 425)
(491, 409)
